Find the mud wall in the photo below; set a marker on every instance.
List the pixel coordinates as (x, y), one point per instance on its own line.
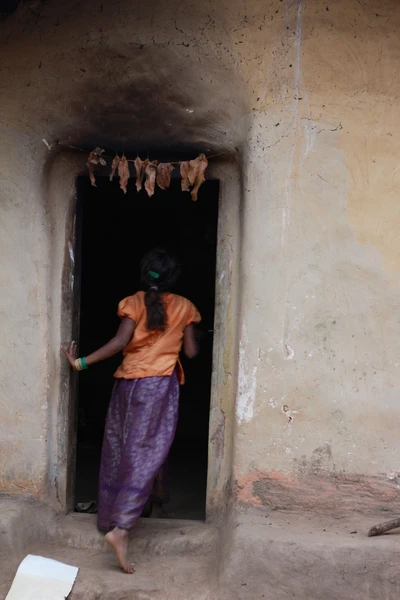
(23, 315)
(304, 96)
(318, 361)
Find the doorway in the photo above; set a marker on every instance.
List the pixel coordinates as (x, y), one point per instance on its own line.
(116, 231)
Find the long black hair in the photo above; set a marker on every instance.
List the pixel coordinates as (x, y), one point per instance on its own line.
(159, 272)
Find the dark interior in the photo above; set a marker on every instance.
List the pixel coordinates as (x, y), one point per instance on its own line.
(116, 231)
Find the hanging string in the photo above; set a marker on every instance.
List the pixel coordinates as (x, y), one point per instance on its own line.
(132, 160)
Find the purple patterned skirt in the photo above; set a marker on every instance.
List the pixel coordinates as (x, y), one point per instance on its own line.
(140, 428)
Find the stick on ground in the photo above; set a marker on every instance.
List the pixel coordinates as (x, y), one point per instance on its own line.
(383, 527)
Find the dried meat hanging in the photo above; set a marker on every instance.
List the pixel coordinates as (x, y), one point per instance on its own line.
(151, 172)
(150, 178)
(94, 160)
(194, 166)
(140, 166)
(201, 167)
(114, 166)
(192, 173)
(123, 172)
(163, 177)
(184, 169)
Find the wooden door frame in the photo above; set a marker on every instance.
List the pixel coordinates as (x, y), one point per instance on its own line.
(64, 324)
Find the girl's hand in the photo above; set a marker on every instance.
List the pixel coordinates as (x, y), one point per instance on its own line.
(71, 354)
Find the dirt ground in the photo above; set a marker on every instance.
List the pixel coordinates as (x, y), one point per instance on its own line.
(256, 554)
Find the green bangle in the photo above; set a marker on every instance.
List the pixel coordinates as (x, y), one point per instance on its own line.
(84, 363)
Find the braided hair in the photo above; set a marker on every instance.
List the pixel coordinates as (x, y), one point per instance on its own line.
(159, 273)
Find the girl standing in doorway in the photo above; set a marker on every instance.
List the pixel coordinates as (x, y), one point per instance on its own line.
(143, 411)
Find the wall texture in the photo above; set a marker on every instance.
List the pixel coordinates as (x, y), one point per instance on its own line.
(319, 355)
(305, 95)
(23, 315)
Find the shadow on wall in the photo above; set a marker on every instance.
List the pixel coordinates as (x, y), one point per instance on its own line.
(152, 99)
(126, 77)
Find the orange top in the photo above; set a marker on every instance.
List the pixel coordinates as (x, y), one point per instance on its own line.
(155, 353)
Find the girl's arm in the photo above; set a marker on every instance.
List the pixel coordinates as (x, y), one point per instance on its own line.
(116, 344)
(190, 345)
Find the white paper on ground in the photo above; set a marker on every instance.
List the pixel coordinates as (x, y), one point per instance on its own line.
(40, 578)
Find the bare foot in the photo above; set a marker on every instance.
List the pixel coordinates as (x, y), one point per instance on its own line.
(118, 540)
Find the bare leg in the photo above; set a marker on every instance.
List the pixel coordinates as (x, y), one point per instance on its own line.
(118, 540)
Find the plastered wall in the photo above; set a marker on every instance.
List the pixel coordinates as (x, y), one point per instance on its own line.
(304, 95)
(24, 312)
(319, 355)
